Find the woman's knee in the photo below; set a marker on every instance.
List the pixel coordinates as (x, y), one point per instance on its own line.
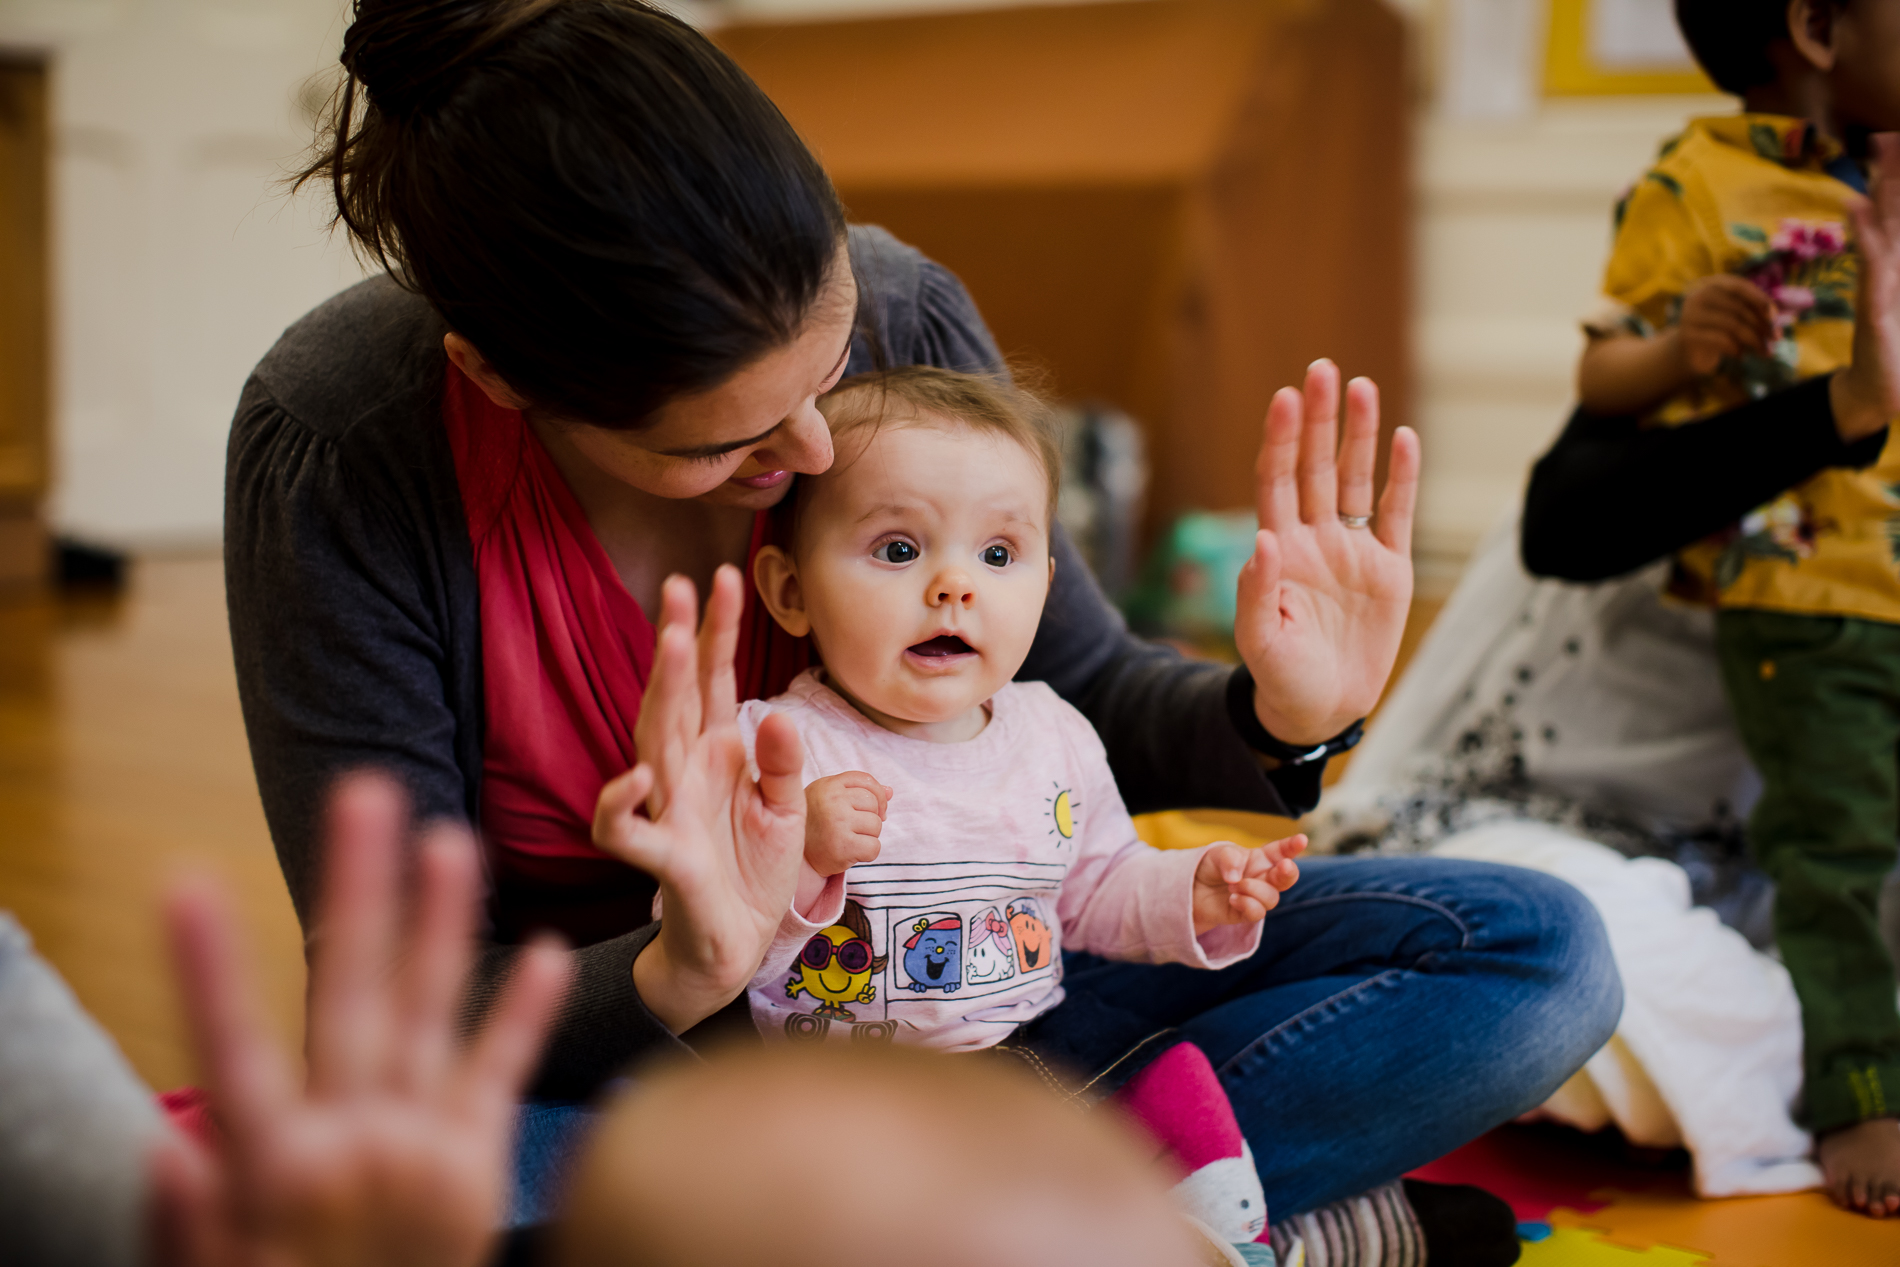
(1568, 950)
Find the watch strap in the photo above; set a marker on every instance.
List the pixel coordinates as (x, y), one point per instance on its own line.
(1240, 711)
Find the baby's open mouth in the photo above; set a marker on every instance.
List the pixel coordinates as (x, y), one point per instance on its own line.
(943, 645)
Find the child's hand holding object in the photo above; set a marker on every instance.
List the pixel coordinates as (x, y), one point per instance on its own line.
(844, 813)
(1239, 886)
(1723, 316)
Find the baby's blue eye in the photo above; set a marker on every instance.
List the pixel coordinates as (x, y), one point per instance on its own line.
(895, 552)
(996, 556)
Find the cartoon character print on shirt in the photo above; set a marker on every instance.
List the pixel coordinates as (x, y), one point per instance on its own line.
(933, 957)
(992, 955)
(1034, 946)
(836, 966)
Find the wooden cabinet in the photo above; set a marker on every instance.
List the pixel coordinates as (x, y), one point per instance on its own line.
(23, 343)
(1170, 205)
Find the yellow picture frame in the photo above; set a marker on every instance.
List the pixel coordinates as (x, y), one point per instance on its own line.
(1570, 70)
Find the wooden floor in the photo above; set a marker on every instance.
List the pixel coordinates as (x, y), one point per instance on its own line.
(122, 763)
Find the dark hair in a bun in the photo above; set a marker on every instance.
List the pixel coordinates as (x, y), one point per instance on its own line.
(587, 190)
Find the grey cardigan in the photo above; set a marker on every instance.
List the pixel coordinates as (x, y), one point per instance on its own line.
(356, 622)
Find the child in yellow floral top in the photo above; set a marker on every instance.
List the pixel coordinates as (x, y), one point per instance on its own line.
(1733, 276)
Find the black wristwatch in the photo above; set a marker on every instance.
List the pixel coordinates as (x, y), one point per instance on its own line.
(1247, 722)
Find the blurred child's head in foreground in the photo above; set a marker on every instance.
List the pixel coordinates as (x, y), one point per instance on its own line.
(919, 563)
(838, 1157)
(1838, 58)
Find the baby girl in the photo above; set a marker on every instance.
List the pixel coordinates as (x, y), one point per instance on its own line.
(966, 830)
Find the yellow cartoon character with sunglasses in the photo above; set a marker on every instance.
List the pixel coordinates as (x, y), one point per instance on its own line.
(836, 966)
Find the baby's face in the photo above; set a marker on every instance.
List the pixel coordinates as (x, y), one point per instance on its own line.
(923, 563)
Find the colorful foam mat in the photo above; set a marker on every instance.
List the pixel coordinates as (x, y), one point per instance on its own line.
(1584, 1201)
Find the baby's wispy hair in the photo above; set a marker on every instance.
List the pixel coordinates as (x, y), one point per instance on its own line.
(922, 394)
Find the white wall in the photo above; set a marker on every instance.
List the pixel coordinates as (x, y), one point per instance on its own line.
(176, 260)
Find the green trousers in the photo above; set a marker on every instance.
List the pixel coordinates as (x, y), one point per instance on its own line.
(1817, 699)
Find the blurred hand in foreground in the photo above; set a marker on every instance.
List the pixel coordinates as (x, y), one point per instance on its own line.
(396, 1149)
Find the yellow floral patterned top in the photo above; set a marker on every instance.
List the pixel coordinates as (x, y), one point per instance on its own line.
(1752, 194)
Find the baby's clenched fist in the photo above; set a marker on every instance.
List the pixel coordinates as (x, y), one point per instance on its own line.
(844, 815)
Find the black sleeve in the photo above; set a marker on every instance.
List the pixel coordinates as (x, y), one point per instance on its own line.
(1612, 495)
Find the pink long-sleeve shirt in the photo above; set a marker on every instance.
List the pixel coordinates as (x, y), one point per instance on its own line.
(997, 854)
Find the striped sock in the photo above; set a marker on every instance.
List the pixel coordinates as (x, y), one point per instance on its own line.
(1373, 1229)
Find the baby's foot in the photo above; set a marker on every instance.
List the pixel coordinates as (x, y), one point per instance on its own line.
(1179, 1101)
(1862, 1165)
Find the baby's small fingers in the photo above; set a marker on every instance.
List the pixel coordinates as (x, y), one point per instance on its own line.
(1245, 908)
(1286, 847)
(1223, 864)
(861, 782)
(1264, 895)
(1284, 875)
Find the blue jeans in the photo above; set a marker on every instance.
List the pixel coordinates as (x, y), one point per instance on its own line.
(1396, 1008)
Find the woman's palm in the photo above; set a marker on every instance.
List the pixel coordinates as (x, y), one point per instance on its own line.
(1322, 605)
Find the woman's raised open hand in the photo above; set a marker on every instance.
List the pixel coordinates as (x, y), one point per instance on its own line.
(724, 846)
(1323, 602)
(395, 1151)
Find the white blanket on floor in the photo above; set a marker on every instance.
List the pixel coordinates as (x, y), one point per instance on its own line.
(1708, 1053)
(1600, 698)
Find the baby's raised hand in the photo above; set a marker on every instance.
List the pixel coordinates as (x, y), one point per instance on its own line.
(1239, 886)
(844, 814)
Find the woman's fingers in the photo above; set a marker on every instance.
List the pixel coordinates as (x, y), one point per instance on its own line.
(504, 1052)
(673, 690)
(350, 1014)
(1276, 489)
(1319, 438)
(181, 1220)
(679, 602)
(245, 1070)
(1393, 523)
(617, 818)
(669, 723)
(436, 961)
(1886, 182)
(1359, 452)
(781, 760)
(1258, 591)
(718, 643)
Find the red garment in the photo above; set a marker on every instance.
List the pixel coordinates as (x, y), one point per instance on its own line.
(565, 658)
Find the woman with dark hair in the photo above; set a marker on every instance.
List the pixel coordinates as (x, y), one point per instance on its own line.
(618, 283)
